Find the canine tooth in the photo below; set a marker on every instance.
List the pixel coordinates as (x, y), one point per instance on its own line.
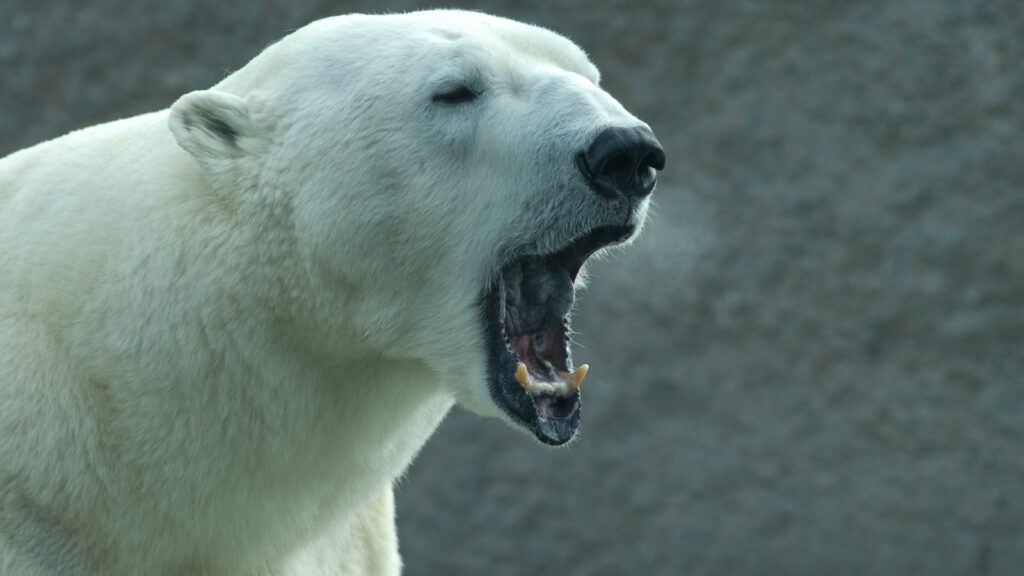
(523, 376)
(578, 376)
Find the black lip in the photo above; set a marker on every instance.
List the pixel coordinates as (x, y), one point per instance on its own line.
(506, 392)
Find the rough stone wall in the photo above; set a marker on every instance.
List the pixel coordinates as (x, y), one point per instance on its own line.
(813, 361)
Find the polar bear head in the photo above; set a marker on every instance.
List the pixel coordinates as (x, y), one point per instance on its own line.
(440, 179)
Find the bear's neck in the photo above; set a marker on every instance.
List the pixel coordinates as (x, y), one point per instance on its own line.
(241, 418)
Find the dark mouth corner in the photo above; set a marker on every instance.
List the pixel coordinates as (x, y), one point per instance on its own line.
(525, 311)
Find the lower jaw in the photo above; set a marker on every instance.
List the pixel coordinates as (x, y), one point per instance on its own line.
(556, 432)
(520, 406)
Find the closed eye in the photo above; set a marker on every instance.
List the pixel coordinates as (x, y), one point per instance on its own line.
(457, 95)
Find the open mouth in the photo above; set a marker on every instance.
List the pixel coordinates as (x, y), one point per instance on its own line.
(526, 318)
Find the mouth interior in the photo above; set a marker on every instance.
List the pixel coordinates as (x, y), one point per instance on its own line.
(527, 314)
(537, 295)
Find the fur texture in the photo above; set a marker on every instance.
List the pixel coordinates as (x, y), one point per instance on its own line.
(227, 327)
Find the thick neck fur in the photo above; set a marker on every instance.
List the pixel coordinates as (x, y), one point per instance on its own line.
(230, 421)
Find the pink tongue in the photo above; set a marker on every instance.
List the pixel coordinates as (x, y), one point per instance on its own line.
(529, 355)
(542, 352)
(522, 347)
(539, 369)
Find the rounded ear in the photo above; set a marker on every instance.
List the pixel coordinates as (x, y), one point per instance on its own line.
(212, 125)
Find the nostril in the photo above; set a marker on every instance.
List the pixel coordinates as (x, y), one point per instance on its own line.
(617, 165)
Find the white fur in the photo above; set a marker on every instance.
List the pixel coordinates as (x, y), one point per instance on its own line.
(217, 353)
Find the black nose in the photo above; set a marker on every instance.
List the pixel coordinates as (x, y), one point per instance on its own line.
(622, 162)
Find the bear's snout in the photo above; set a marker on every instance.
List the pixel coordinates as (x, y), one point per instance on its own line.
(622, 161)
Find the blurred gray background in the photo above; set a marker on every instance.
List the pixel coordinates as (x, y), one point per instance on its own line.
(813, 361)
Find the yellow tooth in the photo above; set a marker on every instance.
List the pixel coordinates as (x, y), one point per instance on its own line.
(522, 375)
(578, 376)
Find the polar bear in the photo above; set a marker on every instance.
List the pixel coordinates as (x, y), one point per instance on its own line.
(227, 327)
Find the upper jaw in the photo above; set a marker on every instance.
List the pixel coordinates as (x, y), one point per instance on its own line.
(622, 212)
(525, 312)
